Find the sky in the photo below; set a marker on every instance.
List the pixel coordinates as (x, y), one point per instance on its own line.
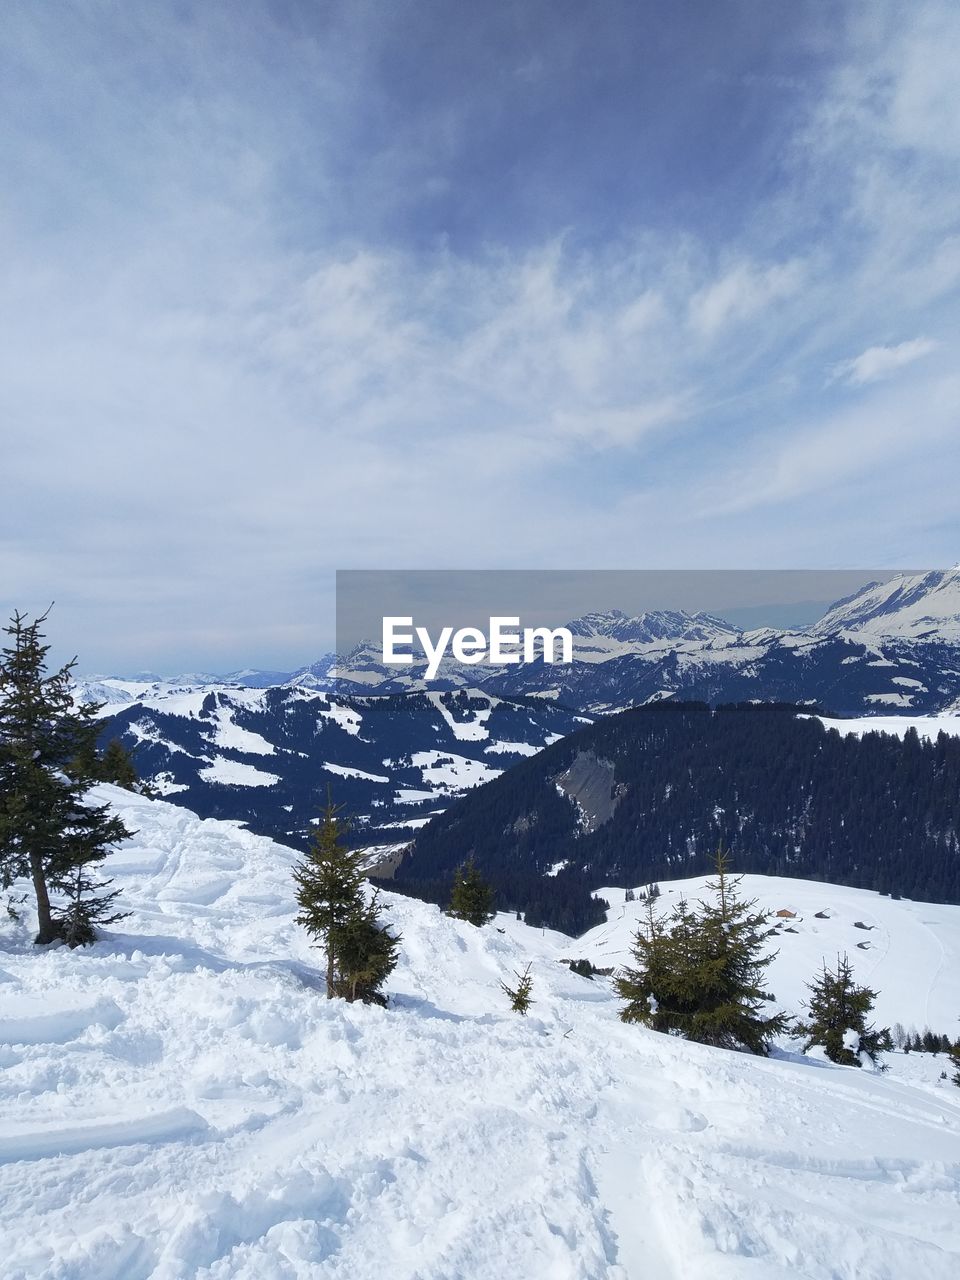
(291, 287)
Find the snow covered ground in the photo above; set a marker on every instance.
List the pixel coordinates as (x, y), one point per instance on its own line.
(926, 726)
(181, 1101)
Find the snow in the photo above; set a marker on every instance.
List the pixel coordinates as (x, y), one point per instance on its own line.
(232, 773)
(451, 772)
(180, 1101)
(232, 737)
(343, 771)
(166, 786)
(909, 606)
(513, 748)
(926, 726)
(472, 730)
(348, 718)
(145, 731)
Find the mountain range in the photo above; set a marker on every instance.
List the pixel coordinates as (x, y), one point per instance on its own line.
(269, 757)
(263, 747)
(893, 645)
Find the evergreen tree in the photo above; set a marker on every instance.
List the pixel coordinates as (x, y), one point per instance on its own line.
(955, 1060)
(730, 941)
(837, 1018)
(472, 897)
(520, 997)
(84, 911)
(329, 884)
(47, 831)
(116, 766)
(365, 955)
(698, 972)
(649, 987)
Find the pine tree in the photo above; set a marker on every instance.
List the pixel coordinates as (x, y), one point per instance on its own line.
(116, 766)
(650, 983)
(365, 955)
(837, 1017)
(472, 897)
(730, 943)
(955, 1060)
(698, 972)
(79, 919)
(329, 884)
(47, 831)
(520, 997)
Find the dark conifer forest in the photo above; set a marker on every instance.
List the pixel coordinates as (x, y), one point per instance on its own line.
(650, 794)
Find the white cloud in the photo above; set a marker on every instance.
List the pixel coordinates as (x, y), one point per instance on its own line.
(877, 363)
(743, 292)
(833, 454)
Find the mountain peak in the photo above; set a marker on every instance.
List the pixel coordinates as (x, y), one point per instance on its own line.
(651, 626)
(920, 606)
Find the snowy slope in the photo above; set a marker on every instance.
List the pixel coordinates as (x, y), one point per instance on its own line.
(909, 952)
(180, 1101)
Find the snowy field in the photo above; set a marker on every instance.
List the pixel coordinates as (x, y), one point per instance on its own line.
(908, 952)
(181, 1101)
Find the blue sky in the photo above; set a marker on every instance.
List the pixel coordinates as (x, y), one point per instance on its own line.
(292, 287)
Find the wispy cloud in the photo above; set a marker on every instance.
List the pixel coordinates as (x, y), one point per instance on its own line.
(877, 363)
(742, 293)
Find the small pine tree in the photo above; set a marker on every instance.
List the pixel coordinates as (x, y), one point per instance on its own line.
(79, 920)
(365, 955)
(361, 953)
(837, 1017)
(729, 967)
(472, 897)
(116, 766)
(520, 997)
(698, 972)
(329, 883)
(47, 830)
(650, 983)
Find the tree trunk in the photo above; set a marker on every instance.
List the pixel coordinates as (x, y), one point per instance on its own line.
(46, 931)
(329, 967)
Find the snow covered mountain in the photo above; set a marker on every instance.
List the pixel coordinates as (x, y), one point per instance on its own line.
(266, 757)
(891, 647)
(918, 607)
(180, 1102)
(651, 627)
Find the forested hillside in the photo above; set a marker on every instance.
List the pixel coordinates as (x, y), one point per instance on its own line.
(651, 793)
